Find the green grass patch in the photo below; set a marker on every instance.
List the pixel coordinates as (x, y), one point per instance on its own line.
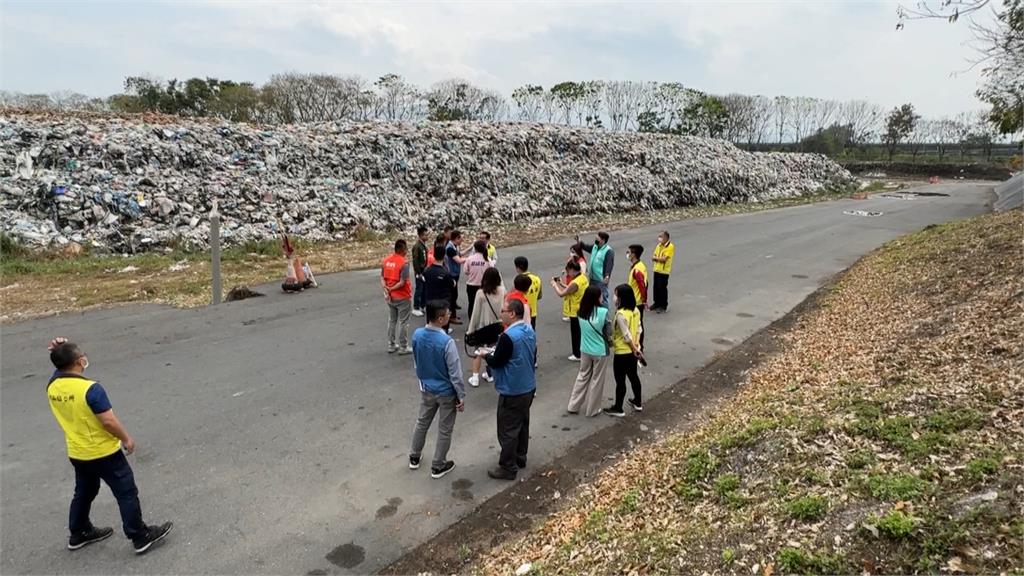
(895, 524)
(797, 561)
(807, 508)
(859, 459)
(630, 502)
(750, 434)
(952, 421)
(728, 556)
(896, 487)
(815, 477)
(979, 468)
(699, 466)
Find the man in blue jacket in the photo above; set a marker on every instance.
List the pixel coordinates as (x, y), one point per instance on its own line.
(512, 364)
(439, 372)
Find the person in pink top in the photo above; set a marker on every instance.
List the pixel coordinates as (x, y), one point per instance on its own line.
(473, 269)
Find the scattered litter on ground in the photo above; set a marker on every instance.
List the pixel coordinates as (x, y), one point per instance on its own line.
(867, 213)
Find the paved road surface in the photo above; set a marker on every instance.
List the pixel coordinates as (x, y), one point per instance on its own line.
(274, 431)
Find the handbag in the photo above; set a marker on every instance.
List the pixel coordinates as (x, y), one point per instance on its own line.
(485, 335)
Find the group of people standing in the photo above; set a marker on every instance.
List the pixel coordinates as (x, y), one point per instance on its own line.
(606, 326)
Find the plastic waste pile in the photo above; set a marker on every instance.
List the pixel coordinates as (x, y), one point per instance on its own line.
(133, 184)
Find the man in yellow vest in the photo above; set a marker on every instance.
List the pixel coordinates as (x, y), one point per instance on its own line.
(95, 439)
(664, 252)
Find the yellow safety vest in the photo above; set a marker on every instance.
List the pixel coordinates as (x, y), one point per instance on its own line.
(619, 343)
(533, 294)
(86, 437)
(632, 281)
(668, 252)
(571, 303)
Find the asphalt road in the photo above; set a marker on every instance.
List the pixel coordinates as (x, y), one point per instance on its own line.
(274, 431)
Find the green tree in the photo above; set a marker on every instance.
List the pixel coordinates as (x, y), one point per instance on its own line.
(898, 125)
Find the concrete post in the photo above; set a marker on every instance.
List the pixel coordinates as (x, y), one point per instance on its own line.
(215, 251)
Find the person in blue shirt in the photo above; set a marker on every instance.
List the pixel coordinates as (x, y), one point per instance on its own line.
(512, 365)
(442, 392)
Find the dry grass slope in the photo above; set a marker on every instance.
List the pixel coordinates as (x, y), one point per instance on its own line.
(886, 437)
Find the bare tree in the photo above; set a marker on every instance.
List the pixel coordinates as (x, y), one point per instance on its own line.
(801, 116)
(781, 107)
(529, 100)
(862, 117)
(623, 100)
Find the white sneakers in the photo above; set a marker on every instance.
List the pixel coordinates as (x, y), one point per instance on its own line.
(573, 358)
(474, 380)
(417, 312)
(487, 377)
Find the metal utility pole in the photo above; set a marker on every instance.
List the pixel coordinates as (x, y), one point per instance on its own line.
(215, 250)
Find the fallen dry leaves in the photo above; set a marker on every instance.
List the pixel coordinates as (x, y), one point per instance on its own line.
(885, 437)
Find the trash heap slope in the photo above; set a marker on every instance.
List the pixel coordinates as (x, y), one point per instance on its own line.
(136, 183)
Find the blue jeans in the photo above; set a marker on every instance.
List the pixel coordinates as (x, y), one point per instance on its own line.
(115, 471)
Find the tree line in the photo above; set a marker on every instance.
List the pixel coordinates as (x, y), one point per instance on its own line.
(808, 124)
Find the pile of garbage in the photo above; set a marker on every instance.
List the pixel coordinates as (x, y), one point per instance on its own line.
(132, 184)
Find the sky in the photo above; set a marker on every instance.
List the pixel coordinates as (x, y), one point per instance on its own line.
(825, 49)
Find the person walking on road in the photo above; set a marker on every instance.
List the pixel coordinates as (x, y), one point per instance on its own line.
(596, 331)
(626, 336)
(419, 264)
(664, 253)
(439, 372)
(437, 283)
(602, 262)
(396, 283)
(638, 281)
(571, 292)
(512, 363)
(97, 443)
(487, 302)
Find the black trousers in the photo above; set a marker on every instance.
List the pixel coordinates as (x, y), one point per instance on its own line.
(453, 299)
(514, 429)
(117, 474)
(660, 291)
(641, 309)
(575, 335)
(625, 366)
(471, 295)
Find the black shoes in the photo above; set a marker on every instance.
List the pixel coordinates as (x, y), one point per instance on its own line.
(440, 472)
(94, 534)
(616, 412)
(153, 535)
(414, 462)
(635, 406)
(521, 463)
(500, 473)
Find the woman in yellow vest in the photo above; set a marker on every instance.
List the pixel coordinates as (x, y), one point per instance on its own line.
(571, 291)
(626, 347)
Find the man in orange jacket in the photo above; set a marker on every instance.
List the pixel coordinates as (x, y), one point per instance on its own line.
(396, 283)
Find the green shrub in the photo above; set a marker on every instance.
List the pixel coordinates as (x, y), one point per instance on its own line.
(728, 556)
(807, 508)
(896, 524)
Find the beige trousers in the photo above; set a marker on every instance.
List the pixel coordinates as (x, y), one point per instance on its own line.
(588, 391)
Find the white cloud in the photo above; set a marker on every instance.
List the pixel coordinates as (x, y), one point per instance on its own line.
(823, 49)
